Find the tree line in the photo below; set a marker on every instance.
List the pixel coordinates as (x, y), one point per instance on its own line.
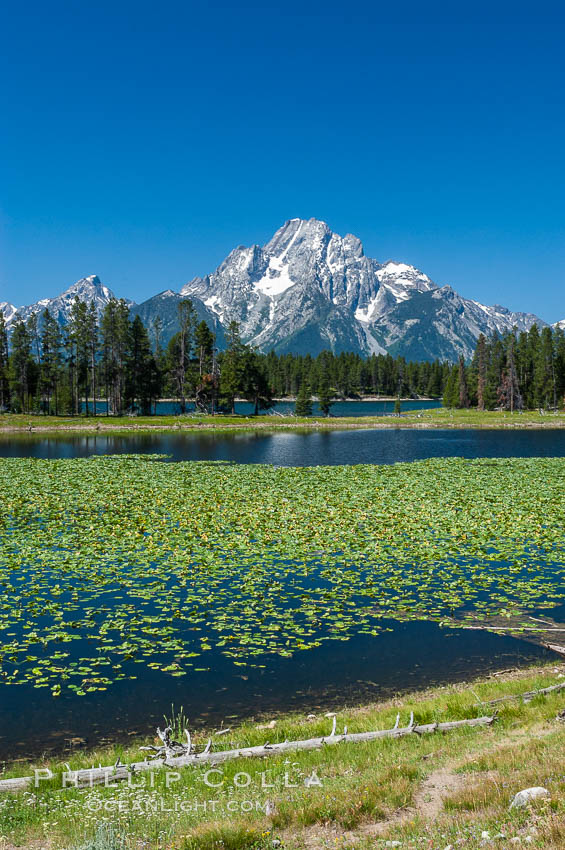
(54, 369)
(515, 371)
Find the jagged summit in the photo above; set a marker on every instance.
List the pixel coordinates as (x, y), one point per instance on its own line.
(8, 310)
(308, 289)
(89, 289)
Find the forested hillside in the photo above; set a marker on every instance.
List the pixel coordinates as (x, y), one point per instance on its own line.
(54, 369)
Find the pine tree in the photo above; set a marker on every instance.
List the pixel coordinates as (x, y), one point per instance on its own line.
(115, 327)
(33, 331)
(462, 384)
(522, 365)
(204, 344)
(51, 362)
(532, 361)
(108, 328)
(495, 366)
(231, 367)
(21, 364)
(255, 386)
(4, 365)
(559, 340)
(481, 365)
(141, 369)
(159, 359)
(184, 345)
(303, 405)
(325, 396)
(545, 387)
(206, 386)
(509, 396)
(78, 339)
(451, 391)
(92, 343)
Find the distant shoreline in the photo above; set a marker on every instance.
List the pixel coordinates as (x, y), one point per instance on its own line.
(430, 418)
(292, 398)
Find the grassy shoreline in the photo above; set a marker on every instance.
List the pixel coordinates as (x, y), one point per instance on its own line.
(419, 419)
(428, 790)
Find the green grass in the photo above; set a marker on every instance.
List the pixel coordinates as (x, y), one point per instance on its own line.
(360, 783)
(436, 418)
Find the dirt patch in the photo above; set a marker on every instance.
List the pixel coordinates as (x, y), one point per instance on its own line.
(428, 803)
(30, 845)
(429, 798)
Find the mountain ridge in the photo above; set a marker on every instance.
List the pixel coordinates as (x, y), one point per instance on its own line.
(308, 289)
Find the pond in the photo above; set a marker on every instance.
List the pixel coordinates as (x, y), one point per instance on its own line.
(295, 448)
(410, 656)
(375, 407)
(235, 590)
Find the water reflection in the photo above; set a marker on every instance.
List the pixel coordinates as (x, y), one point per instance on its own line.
(411, 655)
(295, 448)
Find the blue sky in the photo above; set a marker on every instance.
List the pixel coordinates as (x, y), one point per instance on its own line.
(142, 141)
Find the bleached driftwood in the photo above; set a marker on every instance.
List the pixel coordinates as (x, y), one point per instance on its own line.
(495, 628)
(554, 648)
(528, 695)
(169, 748)
(118, 772)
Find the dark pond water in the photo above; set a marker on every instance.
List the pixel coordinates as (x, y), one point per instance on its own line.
(339, 408)
(297, 448)
(412, 655)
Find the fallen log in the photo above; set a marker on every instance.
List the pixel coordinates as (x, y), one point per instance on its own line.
(528, 695)
(555, 648)
(494, 628)
(89, 777)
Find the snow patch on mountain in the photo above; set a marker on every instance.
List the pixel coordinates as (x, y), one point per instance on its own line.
(309, 289)
(8, 310)
(89, 289)
(365, 314)
(276, 280)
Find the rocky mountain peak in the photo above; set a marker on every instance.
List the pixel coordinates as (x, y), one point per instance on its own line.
(89, 289)
(309, 289)
(299, 231)
(8, 310)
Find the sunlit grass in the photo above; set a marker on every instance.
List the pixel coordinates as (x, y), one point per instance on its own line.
(360, 783)
(431, 418)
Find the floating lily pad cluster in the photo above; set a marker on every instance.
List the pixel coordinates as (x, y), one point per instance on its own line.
(109, 561)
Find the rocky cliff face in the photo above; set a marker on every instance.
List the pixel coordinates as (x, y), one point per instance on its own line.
(309, 289)
(165, 306)
(87, 289)
(8, 310)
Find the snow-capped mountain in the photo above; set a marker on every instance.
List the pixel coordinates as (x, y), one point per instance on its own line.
(560, 325)
(89, 289)
(440, 323)
(7, 310)
(309, 289)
